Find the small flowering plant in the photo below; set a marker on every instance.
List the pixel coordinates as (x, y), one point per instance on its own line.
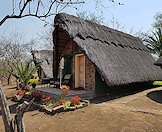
(62, 101)
(46, 99)
(19, 95)
(75, 100)
(20, 92)
(36, 95)
(33, 82)
(56, 104)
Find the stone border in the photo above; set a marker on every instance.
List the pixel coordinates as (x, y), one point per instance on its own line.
(61, 108)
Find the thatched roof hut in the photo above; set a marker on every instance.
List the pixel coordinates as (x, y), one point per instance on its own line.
(118, 57)
(44, 59)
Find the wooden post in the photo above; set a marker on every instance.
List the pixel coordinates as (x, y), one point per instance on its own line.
(61, 67)
(5, 112)
(20, 110)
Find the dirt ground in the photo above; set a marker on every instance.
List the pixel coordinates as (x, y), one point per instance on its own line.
(140, 112)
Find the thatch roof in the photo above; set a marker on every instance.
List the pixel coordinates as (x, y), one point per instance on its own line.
(44, 58)
(119, 57)
(159, 62)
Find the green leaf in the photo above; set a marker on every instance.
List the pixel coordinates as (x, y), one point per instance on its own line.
(155, 42)
(22, 71)
(67, 104)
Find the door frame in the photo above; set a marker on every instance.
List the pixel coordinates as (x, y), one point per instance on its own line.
(76, 70)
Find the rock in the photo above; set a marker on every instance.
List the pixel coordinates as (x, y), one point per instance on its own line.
(86, 101)
(70, 108)
(41, 107)
(79, 106)
(48, 111)
(58, 109)
(84, 104)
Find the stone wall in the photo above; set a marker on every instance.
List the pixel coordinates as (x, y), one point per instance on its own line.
(90, 75)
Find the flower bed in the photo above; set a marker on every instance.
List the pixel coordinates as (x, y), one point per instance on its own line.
(51, 106)
(62, 107)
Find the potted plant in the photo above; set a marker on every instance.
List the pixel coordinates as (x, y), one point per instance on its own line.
(65, 89)
(33, 82)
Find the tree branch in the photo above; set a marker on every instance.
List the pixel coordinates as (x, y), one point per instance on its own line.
(22, 5)
(4, 19)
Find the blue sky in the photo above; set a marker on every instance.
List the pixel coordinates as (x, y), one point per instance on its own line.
(137, 14)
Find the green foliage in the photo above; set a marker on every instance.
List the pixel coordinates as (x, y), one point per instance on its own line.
(66, 104)
(158, 20)
(33, 81)
(159, 83)
(22, 71)
(155, 42)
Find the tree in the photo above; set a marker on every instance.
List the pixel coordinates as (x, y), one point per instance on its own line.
(22, 71)
(158, 20)
(43, 9)
(37, 8)
(91, 16)
(13, 48)
(154, 42)
(45, 38)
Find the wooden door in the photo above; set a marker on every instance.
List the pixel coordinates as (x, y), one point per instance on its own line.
(80, 71)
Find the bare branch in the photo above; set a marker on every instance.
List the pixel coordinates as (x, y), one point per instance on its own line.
(22, 5)
(29, 7)
(37, 7)
(70, 2)
(13, 7)
(50, 7)
(4, 19)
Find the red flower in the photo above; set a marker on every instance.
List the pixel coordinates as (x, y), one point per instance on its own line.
(20, 92)
(62, 101)
(75, 100)
(45, 99)
(56, 104)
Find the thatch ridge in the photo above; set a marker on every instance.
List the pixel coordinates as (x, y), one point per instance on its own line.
(119, 57)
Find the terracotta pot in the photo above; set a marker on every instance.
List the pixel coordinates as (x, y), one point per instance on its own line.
(65, 91)
(33, 85)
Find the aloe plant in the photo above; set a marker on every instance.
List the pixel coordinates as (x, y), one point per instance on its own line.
(22, 71)
(155, 42)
